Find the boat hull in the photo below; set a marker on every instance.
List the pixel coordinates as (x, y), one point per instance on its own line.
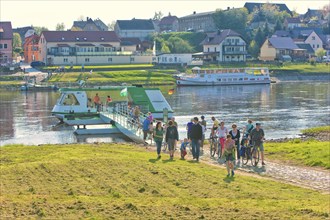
(182, 82)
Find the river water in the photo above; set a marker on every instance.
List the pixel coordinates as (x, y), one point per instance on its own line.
(283, 109)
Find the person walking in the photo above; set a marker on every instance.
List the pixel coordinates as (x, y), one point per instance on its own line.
(158, 137)
(145, 129)
(235, 135)
(222, 132)
(257, 136)
(196, 135)
(229, 146)
(171, 137)
(188, 128)
(97, 102)
(137, 114)
(203, 123)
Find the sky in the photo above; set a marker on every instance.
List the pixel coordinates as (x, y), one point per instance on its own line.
(48, 13)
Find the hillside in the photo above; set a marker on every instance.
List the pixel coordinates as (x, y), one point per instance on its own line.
(120, 181)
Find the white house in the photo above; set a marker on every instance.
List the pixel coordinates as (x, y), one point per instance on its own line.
(177, 58)
(314, 40)
(224, 46)
(135, 28)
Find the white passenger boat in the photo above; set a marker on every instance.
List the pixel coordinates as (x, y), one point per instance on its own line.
(224, 76)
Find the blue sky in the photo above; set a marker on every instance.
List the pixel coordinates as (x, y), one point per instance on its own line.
(50, 12)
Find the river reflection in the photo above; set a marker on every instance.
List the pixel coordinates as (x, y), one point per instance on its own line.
(283, 109)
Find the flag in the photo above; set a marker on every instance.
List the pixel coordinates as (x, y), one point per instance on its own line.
(171, 91)
(123, 92)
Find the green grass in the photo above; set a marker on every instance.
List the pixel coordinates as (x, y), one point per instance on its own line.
(118, 181)
(316, 130)
(310, 153)
(154, 77)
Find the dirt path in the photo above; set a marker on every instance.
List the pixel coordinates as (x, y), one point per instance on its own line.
(307, 177)
(301, 176)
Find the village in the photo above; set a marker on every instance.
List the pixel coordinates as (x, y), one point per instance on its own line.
(258, 32)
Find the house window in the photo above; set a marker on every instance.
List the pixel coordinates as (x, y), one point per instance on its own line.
(313, 37)
(132, 59)
(208, 49)
(313, 45)
(109, 59)
(175, 59)
(0, 46)
(215, 49)
(317, 46)
(5, 46)
(87, 60)
(65, 60)
(227, 57)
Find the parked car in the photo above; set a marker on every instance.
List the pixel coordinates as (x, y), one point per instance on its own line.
(37, 63)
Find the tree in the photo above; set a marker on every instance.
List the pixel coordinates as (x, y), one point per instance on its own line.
(266, 30)
(17, 41)
(165, 48)
(320, 53)
(38, 30)
(60, 27)
(178, 45)
(269, 12)
(278, 26)
(253, 49)
(234, 19)
(112, 25)
(259, 37)
(157, 16)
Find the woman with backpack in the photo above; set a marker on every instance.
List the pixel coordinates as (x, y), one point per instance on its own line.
(158, 137)
(171, 137)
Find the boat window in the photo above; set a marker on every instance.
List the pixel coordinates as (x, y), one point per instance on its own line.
(224, 80)
(219, 80)
(240, 78)
(252, 79)
(230, 80)
(235, 79)
(70, 99)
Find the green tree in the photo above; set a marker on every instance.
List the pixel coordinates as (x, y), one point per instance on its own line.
(266, 30)
(234, 19)
(178, 45)
(259, 37)
(269, 12)
(278, 26)
(253, 49)
(17, 41)
(60, 27)
(165, 48)
(38, 30)
(320, 53)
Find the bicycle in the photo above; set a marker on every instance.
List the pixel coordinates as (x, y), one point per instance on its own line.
(214, 145)
(251, 152)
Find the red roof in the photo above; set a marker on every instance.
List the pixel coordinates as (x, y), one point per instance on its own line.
(7, 31)
(80, 36)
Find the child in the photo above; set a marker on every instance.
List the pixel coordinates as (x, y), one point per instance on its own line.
(229, 147)
(183, 148)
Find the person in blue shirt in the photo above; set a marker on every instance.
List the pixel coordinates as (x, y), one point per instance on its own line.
(145, 129)
(183, 148)
(188, 127)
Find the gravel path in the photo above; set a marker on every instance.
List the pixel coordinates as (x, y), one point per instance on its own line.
(317, 179)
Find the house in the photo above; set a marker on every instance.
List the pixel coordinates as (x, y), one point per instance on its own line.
(251, 6)
(24, 32)
(89, 25)
(224, 46)
(177, 58)
(281, 33)
(140, 28)
(169, 24)
(31, 48)
(198, 22)
(85, 47)
(6, 42)
(309, 50)
(290, 23)
(280, 48)
(314, 40)
(313, 14)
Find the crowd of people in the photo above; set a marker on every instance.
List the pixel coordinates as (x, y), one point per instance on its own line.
(229, 140)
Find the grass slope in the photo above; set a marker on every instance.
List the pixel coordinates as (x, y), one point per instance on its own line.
(117, 181)
(310, 153)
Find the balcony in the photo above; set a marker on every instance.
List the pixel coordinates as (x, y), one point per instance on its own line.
(234, 52)
(234, 44)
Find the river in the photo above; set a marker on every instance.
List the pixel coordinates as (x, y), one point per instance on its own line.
(283, 109)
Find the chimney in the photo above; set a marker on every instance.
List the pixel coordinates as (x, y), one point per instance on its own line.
(194, 12)
(228, 8)
(87, 18)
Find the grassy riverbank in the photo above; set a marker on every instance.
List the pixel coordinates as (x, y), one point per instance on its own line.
(313, 150)
(116, 181)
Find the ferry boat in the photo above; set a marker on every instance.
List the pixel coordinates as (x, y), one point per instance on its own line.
(224, 76)
(77, 102)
